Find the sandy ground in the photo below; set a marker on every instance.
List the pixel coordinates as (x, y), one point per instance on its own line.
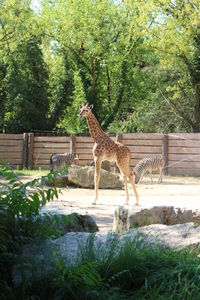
(176, 191)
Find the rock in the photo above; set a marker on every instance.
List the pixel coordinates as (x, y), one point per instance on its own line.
(106, 165)
(84, 177)
(61, 181)
(40, 259)
(72, 222)
(121, 220)
(154, 215)
(167, 215)
(177, 236)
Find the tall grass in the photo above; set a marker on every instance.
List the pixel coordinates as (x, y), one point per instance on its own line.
(134, 271)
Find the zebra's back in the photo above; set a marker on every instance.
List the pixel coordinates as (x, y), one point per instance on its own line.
(148, 164)
(60, 160)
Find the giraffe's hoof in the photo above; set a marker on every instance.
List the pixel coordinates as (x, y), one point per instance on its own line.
(137, 204)
(94, 203)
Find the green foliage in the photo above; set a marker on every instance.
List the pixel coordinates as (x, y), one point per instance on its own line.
(27, 97)
(20, 204)
(136, 270)
(137, 62)
(71, 121)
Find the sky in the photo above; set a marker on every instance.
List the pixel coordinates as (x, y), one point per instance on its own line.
(35, 4)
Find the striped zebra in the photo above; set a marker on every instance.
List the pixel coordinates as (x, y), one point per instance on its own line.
(60, 160)
(149, 164)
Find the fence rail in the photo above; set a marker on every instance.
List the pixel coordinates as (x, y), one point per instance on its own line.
(181, 151)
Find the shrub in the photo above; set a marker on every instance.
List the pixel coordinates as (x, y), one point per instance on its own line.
(20, 204)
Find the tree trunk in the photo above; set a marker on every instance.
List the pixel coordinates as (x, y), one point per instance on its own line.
(196, 126)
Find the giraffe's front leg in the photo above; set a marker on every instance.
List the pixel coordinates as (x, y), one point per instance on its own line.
(134, 188)
(126, 189)
(97, 178)
(160, 177)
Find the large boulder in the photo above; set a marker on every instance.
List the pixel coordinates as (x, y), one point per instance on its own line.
(125, 218)
(72, 222)
(106, 165)
(39, 259)
(177, 236)
(84, 177)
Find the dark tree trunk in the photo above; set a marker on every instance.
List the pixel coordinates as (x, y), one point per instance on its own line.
(196, 126)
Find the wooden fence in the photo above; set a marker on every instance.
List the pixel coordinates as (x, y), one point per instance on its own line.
(181, 150)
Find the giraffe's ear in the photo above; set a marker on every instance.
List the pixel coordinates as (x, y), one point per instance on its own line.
(91, 106)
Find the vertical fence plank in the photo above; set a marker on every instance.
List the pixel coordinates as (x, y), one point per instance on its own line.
(30, 150)
(165, 152)
(73, 144)
(25, 151)
(119, 137)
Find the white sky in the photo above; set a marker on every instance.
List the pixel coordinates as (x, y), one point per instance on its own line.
(35, 4)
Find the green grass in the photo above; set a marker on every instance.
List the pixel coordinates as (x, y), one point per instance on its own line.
(31, 173)
(136, 271)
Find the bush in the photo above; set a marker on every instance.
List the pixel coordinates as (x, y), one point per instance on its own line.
(134, 271)
(20, 204)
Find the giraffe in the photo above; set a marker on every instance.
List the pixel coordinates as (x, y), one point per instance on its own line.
(106, 149)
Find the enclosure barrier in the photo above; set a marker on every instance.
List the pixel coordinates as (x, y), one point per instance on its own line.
(181, 151)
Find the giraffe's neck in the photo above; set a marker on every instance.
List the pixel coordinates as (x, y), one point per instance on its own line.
(94, 127)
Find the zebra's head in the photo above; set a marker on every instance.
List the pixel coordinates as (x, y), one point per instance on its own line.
(136, 176)
(85, 109)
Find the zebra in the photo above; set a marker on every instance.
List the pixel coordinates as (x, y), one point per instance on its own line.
(149, 164)
(60, 160)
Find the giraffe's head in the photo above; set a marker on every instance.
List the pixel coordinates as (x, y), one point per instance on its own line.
(85, 109)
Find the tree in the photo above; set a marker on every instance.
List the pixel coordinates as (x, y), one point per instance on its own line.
(27, 97)
(104, 42)
(176, 40)
(71, 121)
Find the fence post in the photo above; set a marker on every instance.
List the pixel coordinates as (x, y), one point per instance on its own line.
(25, 151)
(165, 152)
(30, 150)
(73, 144)
(119, 137)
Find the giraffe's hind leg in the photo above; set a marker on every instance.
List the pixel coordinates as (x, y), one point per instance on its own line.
(97, 177)
(125, 170)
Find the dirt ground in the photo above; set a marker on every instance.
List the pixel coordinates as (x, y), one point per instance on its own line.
(181, 192)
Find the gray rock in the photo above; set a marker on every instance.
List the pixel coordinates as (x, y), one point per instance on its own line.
(84, 177)
(154, 215)
(177, 236)
(73, 222)
(167, 215)
(38, 260)
(106, 165)
(121, 220)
